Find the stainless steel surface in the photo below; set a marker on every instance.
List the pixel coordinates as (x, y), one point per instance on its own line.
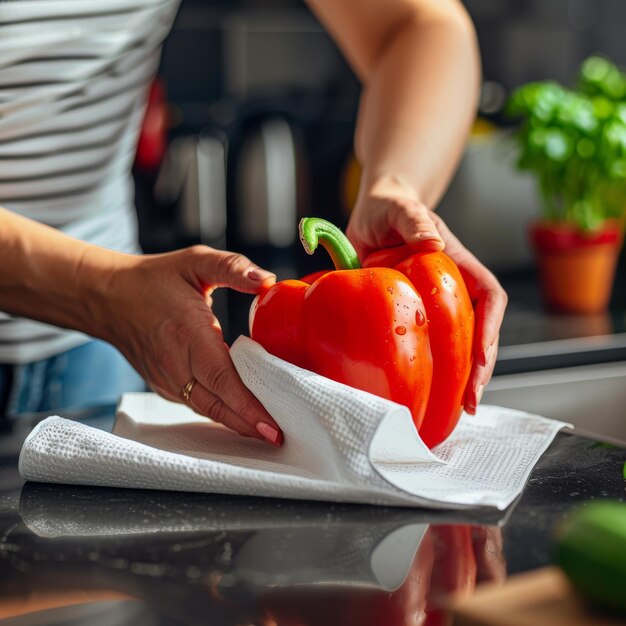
(267, 184)
(591, 397)
(193, 176)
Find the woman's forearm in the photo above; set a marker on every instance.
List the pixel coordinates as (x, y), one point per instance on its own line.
(418, 106)
(153, 308)
(419, 64)
(51, 277)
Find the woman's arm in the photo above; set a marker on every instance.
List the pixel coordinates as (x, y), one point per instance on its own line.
(48, 276)
(156, 309)
(419, 64)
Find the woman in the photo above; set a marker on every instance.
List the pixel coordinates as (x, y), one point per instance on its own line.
(73, 79)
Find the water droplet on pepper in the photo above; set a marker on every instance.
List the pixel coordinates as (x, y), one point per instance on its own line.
(419, 318)
(400, 330)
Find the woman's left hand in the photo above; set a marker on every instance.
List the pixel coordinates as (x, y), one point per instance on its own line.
(382, 220)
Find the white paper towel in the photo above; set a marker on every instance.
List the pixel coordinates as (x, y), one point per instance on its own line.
(341, 444)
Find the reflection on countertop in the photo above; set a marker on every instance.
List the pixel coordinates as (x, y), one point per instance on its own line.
(532, 338)
(241, 560)
(79, 554)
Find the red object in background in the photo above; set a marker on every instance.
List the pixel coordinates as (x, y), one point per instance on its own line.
(450, 315)
(364, 327)
(152, 141)
(559, 237)
(576, 268)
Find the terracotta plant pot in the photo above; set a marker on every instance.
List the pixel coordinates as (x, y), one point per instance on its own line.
(576, 268)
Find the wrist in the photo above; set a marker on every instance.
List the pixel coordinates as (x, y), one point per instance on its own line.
(388, 185)
(100, 280)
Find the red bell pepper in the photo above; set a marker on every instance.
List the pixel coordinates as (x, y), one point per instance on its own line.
(451, 331)
(403, 321)
(365, 328)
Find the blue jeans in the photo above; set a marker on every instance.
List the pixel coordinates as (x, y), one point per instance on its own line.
(92, 375)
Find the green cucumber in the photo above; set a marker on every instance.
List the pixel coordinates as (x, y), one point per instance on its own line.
(591, 550)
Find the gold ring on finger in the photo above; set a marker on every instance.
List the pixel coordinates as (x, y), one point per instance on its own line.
(187, 389)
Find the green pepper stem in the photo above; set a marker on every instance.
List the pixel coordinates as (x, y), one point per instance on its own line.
(315, 231)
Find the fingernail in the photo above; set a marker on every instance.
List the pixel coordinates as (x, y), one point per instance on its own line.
(259, 274)
(484, 355)
(428, 235)
(269, 432)
(479, 394)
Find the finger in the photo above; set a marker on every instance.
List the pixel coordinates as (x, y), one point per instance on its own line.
(219, 268)
(203, 355)
(213, 368)
(206, 404)
(479, 378)
(210, 405)
(362, 249)
(413, 222)
(489, 310)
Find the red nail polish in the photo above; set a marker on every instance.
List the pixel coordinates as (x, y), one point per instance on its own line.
(271, 434)
(484, 355)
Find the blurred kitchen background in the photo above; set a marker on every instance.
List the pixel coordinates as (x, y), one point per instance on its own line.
(260, 110)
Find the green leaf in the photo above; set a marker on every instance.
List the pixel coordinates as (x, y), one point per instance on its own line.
(598, 75)
(585, 148)
(618, 169)
(574, 142)
(620, 112)
(602, 107)
(557, 145)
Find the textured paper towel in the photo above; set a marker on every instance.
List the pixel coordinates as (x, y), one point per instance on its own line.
(341, 444)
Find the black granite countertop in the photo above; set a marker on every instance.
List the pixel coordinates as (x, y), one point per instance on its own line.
(74, 555)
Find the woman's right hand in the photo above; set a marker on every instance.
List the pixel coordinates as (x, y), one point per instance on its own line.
(156, 309)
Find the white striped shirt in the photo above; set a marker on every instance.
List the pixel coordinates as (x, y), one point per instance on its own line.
(73, 81)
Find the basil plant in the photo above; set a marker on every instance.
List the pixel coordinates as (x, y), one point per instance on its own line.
(574, 141)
